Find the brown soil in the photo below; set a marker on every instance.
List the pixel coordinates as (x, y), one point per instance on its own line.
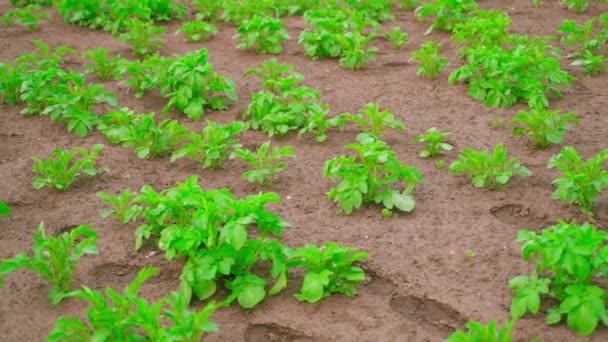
(421, 286)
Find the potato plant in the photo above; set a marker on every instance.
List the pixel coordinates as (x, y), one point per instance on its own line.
(264, 162)
(102, 64)
(370, 177)
(191, 85)
(197, 31)
(264, 34)
(569, 261)
(543, 127)
(397, 38)
(484, 28)
(54, 258)
(144, 75)
(590, 43)
(223, 239)
(434, 142)
(446, 13)
(582, 181)
(28, 16)
(431, 65)
(491, 171)
(354, 49)
(129, 317)
(372, 120)
(141, 37)
(64, 167)
(151, 139)
(213, 146)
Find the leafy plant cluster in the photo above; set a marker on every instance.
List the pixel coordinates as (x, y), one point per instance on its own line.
(64, 167)
(590, 43)
(54, 258)
(488, 170)
(114, 15)
(582, 181)
(283, 105)
(446, 13)
(431, 65)
(264, 162)
(262, 33)
(580, 6)
(197, 31)
(505, 68)
(225, 240)
(28, 16)
(39, 81)
(570, 263)
(373, 175)
(542, 126)
(128, 317)
(340, 33)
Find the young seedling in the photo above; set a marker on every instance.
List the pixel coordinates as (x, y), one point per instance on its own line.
(197, 31)
(354, 49)
(150, 139)
(368, 178)
(477, 332)
(192, 86)
(213, 146)
(491, 171)
(329, 270)
(144, 75)
(431, 65)
(372, 120)
(64, 167)
(54, 258)
(434, 142)
(105, 67)
(262, 33)
(263, 162)
(26, 16)
(397, 38)
(275, 77)
(128, 317)
(11, 79)
(5, 210)
(591, 45)
(124, 210)
(140, 36)
(320, 39)
(582, 181)
(577, 289)
(408, 5)
(542, 126)
(72, 102)
(447, 13)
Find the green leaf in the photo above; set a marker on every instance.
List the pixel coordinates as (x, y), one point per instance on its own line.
(5, 210)
(403, 202)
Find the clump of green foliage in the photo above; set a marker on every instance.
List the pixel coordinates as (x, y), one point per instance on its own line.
(72, 102)
(264, 34)
(141, 37)
(54, 258)
(128, 317)
(25, 3)
(28, 16)
(446, 13)
(64, 167)
(522, 69)
(192, 85)
(369, 177)
(579, 6)
(477, 332)
(431, 65)
(484, 28)
(150, 139)
(569, 261)
(408, 5)
(197, 31)
(590, 44)
(354, 49)
(283, 105)
(397, 38)
(542, 126)
(105, 67)
(114, 15)
(329, 269)
(144, 75)
(434, 141)
(5, 210)
(213, 146)
(372, 120)
(582, 181)
(488, 170)
(223, 239)
(264, 162)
